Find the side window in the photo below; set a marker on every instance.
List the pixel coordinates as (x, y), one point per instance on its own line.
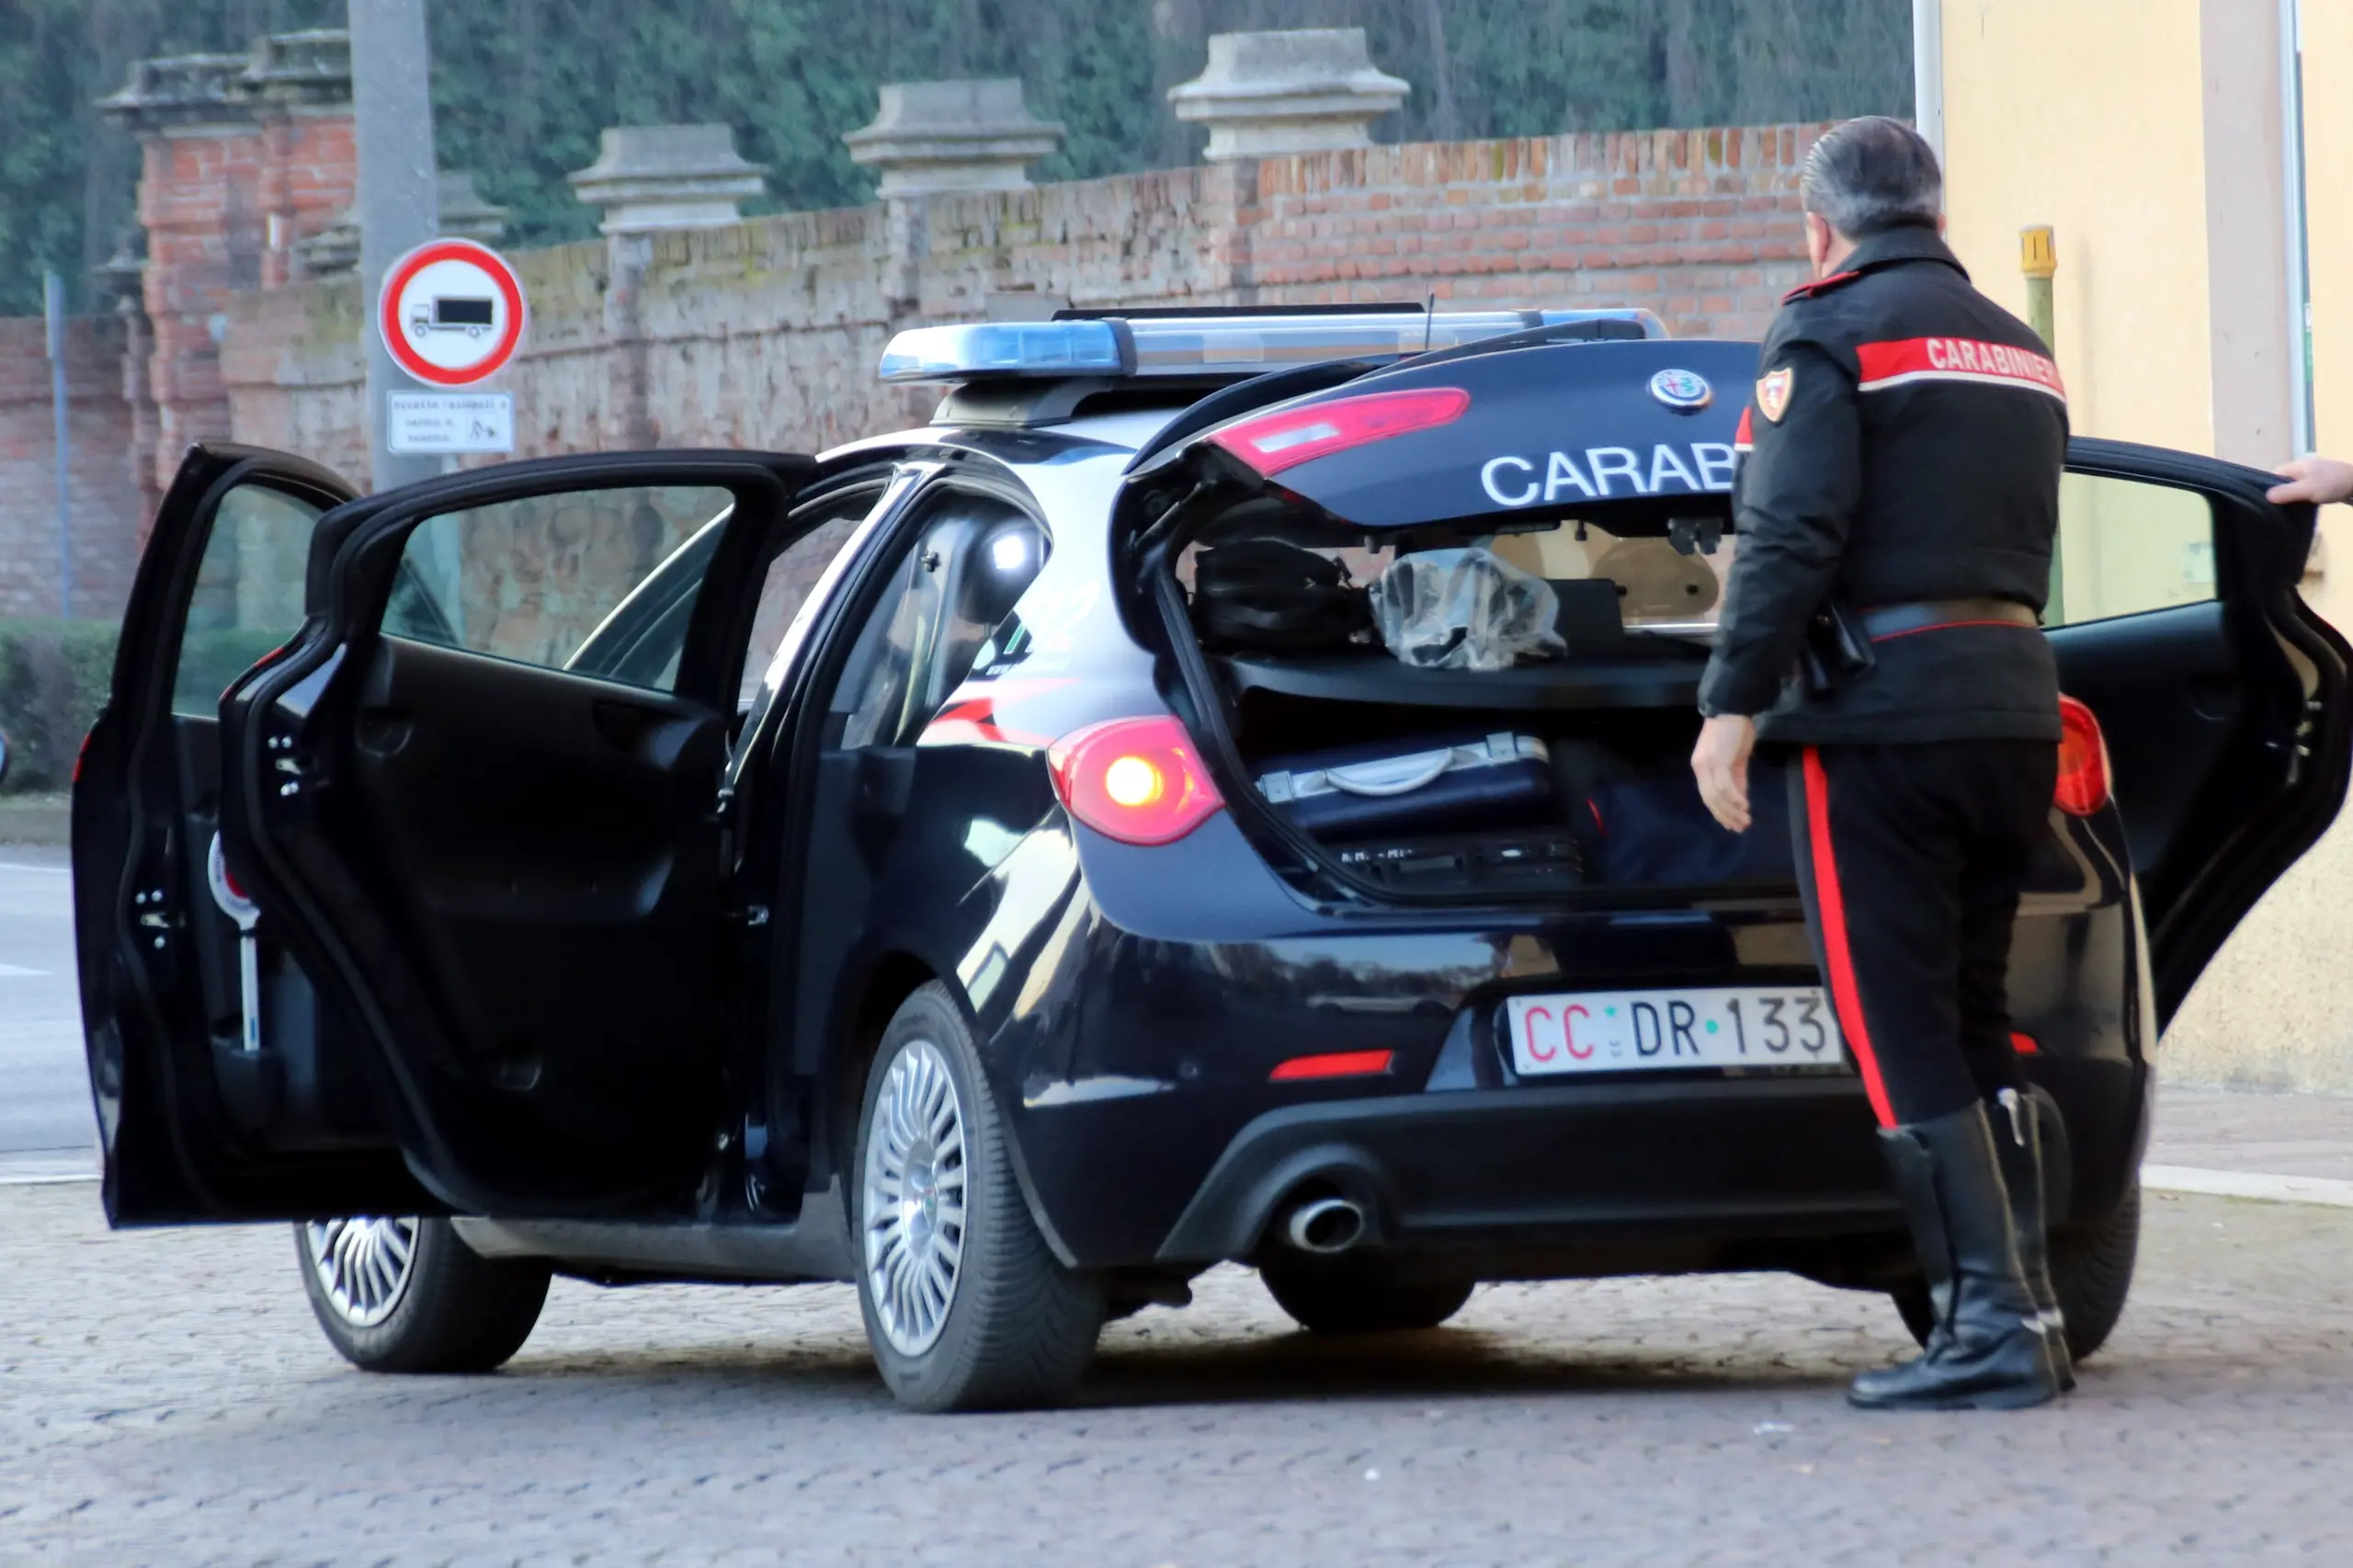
(601, 581)
(2127, 546)
(248, 593)
(795, 573)
(973, 557)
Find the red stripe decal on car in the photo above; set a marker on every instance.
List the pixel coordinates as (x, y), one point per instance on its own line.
(1885, 365)
(1745, 437)
(1844, 995)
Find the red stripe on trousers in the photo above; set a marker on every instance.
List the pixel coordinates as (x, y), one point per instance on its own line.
(1844, 994)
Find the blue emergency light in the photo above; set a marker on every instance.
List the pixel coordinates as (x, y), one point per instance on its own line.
(1003, 349)
(1230, 344)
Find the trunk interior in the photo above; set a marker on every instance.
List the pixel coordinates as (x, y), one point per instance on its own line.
(1565, 771)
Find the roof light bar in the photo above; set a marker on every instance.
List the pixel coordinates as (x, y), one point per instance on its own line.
(1003, 349)
(1206, 345)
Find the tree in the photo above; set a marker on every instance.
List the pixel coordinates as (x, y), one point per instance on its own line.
(521, 87)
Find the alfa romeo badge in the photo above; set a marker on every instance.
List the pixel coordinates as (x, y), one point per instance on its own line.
(1682, 389)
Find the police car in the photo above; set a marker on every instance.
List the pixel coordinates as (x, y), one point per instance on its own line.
(729, 866)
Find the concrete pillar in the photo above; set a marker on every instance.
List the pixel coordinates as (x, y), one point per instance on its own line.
(1266, 94)
(935, 138)
(649, 178)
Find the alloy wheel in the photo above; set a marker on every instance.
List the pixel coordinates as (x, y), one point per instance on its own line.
(363, 1265)
(913, 1191)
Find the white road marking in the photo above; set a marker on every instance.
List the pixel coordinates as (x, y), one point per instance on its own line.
(44, 870)
(18, 972)
(48, 1167)
(2325, 1190)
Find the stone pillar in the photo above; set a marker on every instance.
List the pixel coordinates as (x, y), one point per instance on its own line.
(464, 214)
(935, 138)
(1266, 94)
(648, 178)
(241, 157)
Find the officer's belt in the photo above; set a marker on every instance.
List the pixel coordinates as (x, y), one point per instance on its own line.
(1935, 614)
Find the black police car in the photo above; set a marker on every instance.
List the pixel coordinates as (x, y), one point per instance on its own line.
(732, 867)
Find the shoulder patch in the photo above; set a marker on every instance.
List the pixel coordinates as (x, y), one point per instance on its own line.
(1819, 286)
(1773, 392)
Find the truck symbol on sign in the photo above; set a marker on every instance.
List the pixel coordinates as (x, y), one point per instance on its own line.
(443, 313)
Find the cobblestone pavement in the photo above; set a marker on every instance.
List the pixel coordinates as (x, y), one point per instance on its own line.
(165, 1398)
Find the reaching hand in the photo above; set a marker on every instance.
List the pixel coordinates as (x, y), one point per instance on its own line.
(1721, 761)
(2316, 479)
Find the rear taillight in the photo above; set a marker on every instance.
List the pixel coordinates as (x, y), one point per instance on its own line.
(1288, 437)
(2083, 760)
(1138, 780)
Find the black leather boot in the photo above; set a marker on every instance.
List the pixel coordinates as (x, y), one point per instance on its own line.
(2017, 1138)
(1989, 1350)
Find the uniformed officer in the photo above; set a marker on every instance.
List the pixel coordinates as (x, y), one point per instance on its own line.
(1902, 458)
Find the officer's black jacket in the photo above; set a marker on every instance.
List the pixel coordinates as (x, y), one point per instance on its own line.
(1903, 444)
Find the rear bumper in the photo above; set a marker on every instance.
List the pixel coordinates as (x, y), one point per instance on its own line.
(1138, 1079)
(1625, 1167)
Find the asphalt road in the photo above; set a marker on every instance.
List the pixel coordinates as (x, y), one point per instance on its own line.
(165, 1399)
(44, 1092)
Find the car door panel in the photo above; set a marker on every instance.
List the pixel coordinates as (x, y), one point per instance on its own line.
(195, 1124)
(2227, 722)
(2164, 739)
(512, 871)
(586, 846)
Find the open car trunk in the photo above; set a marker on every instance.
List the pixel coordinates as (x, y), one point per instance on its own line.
(1531, 741)
(1448, 774)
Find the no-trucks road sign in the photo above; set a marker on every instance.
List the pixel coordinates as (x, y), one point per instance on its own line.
(451, 312)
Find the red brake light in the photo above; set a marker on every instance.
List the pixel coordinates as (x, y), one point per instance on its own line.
(1138, 780)
(1290, 437)
(1335, 1064)
(2083, 760)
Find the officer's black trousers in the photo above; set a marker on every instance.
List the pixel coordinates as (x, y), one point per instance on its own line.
(1911, 858)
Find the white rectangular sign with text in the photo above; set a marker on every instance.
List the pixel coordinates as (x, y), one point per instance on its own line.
(449, 422)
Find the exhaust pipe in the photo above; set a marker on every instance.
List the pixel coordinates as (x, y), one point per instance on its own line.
(1325, 1226)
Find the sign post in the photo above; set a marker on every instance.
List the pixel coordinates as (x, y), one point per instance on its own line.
(451, 314)
(52, 298)
(392, 106)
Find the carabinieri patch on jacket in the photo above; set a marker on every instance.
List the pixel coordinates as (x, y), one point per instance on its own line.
(1773, 392)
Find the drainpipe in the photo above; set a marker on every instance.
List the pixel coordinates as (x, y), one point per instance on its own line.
(2039, 259)
(2292, 153)
(1928, 72)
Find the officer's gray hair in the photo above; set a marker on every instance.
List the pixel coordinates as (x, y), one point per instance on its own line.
(1871, 175)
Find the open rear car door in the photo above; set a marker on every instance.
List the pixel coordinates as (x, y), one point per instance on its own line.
(475, 801)
(195, 1122)
(2221, 694)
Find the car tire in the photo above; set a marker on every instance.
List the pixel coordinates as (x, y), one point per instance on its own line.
(1010, 1327)
(442, 1308)
(2091, 1273)
(1358, 1299)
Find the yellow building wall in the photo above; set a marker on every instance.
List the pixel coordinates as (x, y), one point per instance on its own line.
(2085, 116)
(2329, 218)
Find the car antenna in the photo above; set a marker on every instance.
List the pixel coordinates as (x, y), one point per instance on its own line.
(1430, 320)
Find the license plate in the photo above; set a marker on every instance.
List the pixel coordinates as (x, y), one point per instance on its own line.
(1641, 1032)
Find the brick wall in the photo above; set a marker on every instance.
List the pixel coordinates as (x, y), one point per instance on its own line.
(223, 207)
(765, 333)
(102, 488)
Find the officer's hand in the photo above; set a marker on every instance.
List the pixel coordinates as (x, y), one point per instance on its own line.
(1721, 761)
(2315, 479)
